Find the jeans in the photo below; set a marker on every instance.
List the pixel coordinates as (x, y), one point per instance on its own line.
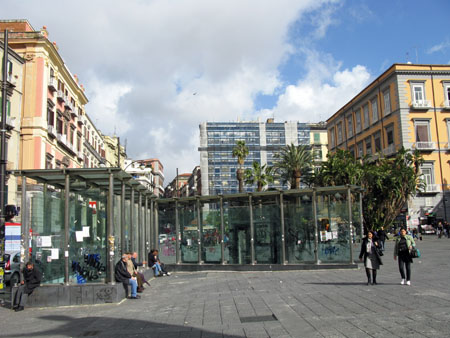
(404, 261)
(157, 268)
(382, 245)
(20, 299)
(133, 284)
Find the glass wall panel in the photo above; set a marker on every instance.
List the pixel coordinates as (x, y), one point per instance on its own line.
(211, 237)
(237, 231)
(135, 230)
(167, 233)
(299, 228)
(87, 239)
(46, 213)
(266, 220)
(187, 216)
(127, 226)
(117, 230)
(332, 213)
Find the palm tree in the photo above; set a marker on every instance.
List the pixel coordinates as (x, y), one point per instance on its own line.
(261, 175)
(240, 151)
(292, 162)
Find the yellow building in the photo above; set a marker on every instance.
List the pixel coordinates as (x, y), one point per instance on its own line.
(408, 105)
(113, 157)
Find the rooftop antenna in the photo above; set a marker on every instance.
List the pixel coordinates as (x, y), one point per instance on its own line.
(114, 130)
(417, 55)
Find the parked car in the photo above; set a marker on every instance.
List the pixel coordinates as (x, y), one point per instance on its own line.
(12, 268)
(428, 229)
(162, 238)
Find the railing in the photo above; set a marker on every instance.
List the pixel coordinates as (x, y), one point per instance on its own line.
(81, 120)
(80, 155)
(447, 104)
(389, 150)
(51, 130)
(22, 35)
(52, 84)
(431, 188)
(60, 96)
(419, 104)
(425, 145)
(11, 122)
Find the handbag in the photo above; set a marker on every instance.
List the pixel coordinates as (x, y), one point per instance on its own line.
(379, 252)
(415, 253)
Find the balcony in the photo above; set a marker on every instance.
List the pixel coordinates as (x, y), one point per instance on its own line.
(52, 84)
(10, 123)
(81, 120)
(80, 155)
(51, 131)
(425, 145)
(73, 112)
(389, 150)
(421, 104)
(61, 138)
(447, 104)
(60, 96)
(431, 188)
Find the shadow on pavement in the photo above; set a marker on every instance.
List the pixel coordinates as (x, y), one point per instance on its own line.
(349, 283)
(113, 327)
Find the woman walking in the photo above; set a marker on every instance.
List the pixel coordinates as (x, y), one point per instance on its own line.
(403, 244)
(372, 260)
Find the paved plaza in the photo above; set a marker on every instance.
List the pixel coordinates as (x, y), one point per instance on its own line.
(325, 303)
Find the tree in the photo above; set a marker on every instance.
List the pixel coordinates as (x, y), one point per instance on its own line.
(291, 162)
(259, 174)
(387, 183)
(240, 151)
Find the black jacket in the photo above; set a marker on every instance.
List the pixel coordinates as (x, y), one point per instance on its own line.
(136, 264)
(121, 273)
(382, 235)
(364, 249)
(152, 259)
(32, 279)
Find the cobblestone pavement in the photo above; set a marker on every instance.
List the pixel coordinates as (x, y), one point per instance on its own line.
(328, 303)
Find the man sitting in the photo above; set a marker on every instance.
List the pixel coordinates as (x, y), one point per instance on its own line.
(140, 276)
(155, 263)
(123, 276)
(31, 280)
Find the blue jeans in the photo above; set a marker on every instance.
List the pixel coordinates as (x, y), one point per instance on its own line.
(157, 268)
(133, 284)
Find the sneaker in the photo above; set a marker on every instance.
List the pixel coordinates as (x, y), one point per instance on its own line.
(135, 297)
(168, 274)
(164, 274)
(19, 308)
(402, 282)
(408, 283)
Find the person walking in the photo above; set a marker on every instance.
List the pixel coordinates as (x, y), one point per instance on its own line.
(31, 280)
(382, 236)
(372, 259)
(403, 244)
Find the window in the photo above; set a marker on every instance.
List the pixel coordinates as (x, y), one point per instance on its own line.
(390, 135)
(368, 143)
(360, 149)
(9, 72)
(377, 141)
(72, 132)
(50, 116)
(340, 133)
(418, 92)
(48, 161)
(447, 94)
(8, 107)
(78, 141)
(59, 124)
(422, 128)
(317, 138)
(358, 121)
(332, 140)
(374, 110)
(366, 116)
(350, 125)
(387, 102)
(427, 171)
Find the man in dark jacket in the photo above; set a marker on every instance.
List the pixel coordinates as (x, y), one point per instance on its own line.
(123, 276)
(382, 236)
(31, 280)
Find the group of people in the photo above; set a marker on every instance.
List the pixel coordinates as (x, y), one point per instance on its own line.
(372, 248)
(126, 272)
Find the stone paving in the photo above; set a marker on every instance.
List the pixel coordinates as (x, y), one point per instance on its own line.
(324, 303)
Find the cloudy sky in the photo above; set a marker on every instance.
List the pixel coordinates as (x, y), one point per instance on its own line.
(154, 69)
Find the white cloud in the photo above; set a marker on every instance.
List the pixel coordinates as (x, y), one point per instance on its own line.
(439, 48)
(323, 91)
(142, 61)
